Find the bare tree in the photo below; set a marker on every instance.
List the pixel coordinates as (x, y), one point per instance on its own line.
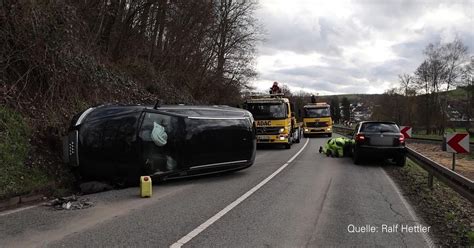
(467, 82)
(454, 55)
(406, 82)
(424, 83)
(235, 36)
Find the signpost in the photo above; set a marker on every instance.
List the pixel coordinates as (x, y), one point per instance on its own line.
(457, 143)
(406, 131)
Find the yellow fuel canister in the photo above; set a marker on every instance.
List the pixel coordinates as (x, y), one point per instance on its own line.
(145, 186)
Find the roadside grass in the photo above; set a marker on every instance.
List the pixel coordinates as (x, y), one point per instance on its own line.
(16, 177)
(449, 214)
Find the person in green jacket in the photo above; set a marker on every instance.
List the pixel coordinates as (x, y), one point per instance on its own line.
(337, 147)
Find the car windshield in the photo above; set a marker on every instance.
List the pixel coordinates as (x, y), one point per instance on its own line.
(379, 128)
(262, 111)
(317, 112)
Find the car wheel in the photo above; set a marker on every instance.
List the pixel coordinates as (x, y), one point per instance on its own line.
(330, 135)
(356, 157)
(288, 146)
(401, 160)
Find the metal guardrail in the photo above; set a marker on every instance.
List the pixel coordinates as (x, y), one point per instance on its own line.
(457, 182)
(342, 130)
(436, 141)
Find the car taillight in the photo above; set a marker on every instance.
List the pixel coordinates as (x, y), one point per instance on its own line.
(401, 138)
(360, 137)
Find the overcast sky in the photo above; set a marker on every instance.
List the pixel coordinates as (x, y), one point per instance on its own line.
(338, 47)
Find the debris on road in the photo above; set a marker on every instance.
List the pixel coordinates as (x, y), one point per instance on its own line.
(69, 203)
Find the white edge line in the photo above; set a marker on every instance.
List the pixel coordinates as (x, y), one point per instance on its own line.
(18, 210)
(412, 213)
(235, 203)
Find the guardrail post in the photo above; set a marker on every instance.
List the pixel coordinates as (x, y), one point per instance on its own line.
(454, 160)
(430, 180)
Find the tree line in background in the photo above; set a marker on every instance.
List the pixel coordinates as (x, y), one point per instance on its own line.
(340, 111)
(424, 99)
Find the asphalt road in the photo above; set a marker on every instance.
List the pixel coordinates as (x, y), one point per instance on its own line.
(312, 201)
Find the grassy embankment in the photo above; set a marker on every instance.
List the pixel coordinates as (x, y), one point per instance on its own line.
(16, 177)
(450, 215)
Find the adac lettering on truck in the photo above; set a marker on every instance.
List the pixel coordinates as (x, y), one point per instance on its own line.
(264, 123)
(267, 123)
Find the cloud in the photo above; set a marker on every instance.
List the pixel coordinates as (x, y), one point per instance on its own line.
(361, 46)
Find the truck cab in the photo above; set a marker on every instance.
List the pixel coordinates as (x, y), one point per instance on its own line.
(317, 119)
(274, 119)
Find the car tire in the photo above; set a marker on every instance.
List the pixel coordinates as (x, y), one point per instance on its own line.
(288, 146)
(401, 160)
(356, 157)
(330, 135)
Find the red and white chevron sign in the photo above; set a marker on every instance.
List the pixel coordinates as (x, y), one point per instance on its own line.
(457, 142)
(406, 131)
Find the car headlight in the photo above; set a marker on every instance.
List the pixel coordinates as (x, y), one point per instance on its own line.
(306, 130)
(329, 129)
(281, 130)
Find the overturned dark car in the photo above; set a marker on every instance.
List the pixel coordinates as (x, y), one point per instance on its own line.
(123, 142)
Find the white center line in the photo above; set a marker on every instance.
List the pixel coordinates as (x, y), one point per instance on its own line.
(18, 210)
(229, 207)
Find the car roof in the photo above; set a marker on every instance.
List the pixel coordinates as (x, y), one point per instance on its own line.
(200, 111)
(384, 122)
